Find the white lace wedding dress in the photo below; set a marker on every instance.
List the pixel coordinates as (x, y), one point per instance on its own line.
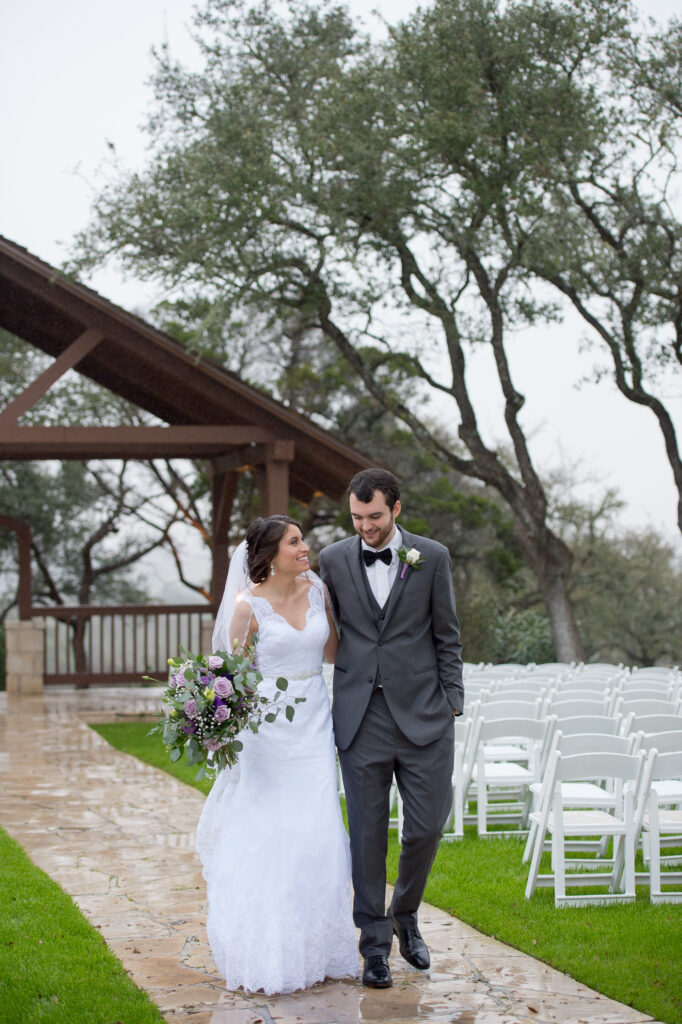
(271, 839)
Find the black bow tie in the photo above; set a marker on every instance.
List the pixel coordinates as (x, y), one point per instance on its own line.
(370, 557)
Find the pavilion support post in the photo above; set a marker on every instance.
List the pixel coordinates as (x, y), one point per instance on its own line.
(23, 532)
(223, 492)
(274, 480)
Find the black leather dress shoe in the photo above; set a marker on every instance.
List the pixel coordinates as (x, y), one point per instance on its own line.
(412, 947)
(377, 973)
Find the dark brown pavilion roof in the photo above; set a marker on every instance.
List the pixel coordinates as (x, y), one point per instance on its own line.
(154, 372)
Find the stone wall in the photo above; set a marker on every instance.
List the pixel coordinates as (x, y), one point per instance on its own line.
(25, 656)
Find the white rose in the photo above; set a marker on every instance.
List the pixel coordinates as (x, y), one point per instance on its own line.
(412, 556)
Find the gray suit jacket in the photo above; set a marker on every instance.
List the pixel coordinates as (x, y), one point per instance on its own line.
(412, 644)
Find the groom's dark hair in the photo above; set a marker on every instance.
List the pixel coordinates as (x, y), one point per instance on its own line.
(364, 484)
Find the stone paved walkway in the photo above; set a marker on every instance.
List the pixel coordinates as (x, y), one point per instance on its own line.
(118, 836)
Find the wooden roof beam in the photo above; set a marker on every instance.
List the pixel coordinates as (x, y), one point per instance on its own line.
(17, 443)
(279, 450)
(69, 358)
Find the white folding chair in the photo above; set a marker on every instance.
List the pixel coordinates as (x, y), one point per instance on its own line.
(462, 773)
(605, 725)
(603, 668)
(502, 705)
(647, 706)
(624, 698)
(495, 707)
(668, 674)
(603, 793)
(641, 689)
(525, 688)
(501, 784)
(593, 689)
(556, 667)
(469, 668)
(498, 673)
(467, 737)
(668, 789)
(663, 823)
(563, 824)
(655, 723)
(667, 742)
(569, 707)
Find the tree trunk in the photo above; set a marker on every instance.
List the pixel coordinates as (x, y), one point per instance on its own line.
(79, 649)
(551, 562)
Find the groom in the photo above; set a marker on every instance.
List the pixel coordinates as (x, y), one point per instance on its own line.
(397, 690)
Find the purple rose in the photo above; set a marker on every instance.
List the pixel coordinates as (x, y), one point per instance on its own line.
(214, 745)
(221, 714)
(215, 661)
(191, 708)
(188, 728)
(223, 687)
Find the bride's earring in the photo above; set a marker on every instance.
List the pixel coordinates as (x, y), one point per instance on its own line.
(272, 569)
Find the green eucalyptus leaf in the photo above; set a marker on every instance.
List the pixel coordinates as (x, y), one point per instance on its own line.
(194, 754)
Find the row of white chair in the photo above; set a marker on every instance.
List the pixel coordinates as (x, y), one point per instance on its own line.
(506, 734)
(505, 764)
(472, 671)
(548, 691)
(664, 682)
(519, 730)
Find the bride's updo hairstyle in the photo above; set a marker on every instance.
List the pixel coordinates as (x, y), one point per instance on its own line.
(262, 543)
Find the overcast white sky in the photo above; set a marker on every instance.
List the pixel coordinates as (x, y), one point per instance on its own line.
(73, 75)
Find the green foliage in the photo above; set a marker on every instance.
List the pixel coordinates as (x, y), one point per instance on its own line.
(70, 514)
(55, 966)
(628, 590)
(523, 636)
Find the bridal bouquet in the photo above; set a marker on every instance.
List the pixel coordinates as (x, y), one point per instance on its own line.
(210, 699)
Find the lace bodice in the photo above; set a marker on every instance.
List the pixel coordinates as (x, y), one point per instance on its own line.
(283, 650)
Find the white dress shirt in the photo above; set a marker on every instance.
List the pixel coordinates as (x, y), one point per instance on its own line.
(380, 576)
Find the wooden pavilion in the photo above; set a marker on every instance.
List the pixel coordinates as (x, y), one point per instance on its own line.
(207, 411)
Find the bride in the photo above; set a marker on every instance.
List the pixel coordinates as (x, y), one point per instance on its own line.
(271, 839)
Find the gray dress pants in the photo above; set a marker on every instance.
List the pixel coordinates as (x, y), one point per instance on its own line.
(423, 775)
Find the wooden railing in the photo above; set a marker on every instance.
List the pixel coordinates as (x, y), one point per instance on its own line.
(101, 645)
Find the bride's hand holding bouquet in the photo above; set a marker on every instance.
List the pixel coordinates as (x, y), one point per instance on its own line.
(210, 699)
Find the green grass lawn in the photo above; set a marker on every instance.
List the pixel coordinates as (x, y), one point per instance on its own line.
(54, 966)
(628, 952)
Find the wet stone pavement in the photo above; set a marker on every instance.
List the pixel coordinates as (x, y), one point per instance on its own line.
(118, 836)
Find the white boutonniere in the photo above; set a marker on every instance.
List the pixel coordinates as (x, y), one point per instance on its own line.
(411, 559)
